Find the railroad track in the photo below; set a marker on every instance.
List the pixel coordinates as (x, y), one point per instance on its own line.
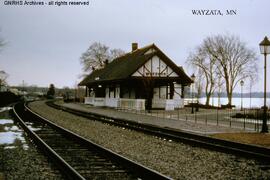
(239, 149)
(77, 157)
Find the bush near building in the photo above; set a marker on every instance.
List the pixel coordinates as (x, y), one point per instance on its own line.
(8, 98)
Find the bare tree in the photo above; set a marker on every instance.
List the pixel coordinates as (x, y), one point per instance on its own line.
(206, 67)
(220, 88)
(67, 93)
(233, 59)
(199, 83)
(3, 77)
(97, 55)
(3, 74)
(115, 53)
(2, 43)
(94, 56)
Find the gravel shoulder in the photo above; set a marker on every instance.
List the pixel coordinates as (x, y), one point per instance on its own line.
(173, 159)
(261, 139)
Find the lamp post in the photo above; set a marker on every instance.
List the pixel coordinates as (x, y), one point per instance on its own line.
(250, 88)
(265, 49)
(219, 85)
(192, 93)
(213, 100)
(241, 83)
(197, 97)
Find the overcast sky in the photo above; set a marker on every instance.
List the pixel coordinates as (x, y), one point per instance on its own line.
(45, 42)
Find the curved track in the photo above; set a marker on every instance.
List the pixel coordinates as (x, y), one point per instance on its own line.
(77, 157)
(239, 149)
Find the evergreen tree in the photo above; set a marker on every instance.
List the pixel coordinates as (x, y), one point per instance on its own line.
(51, 91)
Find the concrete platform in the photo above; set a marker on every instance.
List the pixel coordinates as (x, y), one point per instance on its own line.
(199, 128)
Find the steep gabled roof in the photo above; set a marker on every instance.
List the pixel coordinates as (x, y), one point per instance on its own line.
(124, 66)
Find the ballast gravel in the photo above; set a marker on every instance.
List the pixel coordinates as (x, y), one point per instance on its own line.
(173, 159)
(22, 160)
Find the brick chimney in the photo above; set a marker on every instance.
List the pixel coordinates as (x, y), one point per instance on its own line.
(134, 46)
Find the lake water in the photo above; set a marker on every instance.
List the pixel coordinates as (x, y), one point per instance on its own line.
(247, 102)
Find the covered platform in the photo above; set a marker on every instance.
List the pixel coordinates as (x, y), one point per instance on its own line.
(153, 120)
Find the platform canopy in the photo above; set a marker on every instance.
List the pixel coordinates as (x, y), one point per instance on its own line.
(146, 62)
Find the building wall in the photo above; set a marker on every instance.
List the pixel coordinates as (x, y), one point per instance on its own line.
(160, 100)
(177, 91)
(129, 93)
(112, 91)
(160, 92)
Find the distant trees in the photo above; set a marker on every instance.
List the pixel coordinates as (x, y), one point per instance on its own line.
(96, 56)
(51, 91)
(2, 43)
(227, 57)
(3, 74)
(3, 77)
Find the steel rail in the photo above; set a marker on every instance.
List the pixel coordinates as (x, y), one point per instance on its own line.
(235, 148)
(70, 173)
(142, 172)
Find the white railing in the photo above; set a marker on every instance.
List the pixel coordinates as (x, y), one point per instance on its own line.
(159, 103)
(89, 100)
(94, 101)
(111, 102)
(132, 104)
(190, 100)
(99, 102)
(178, 103)
(168, 104)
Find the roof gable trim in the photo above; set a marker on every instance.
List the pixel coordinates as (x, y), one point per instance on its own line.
(155, 67)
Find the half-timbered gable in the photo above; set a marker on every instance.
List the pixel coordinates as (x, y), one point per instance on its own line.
(155, 67)
(145, 77)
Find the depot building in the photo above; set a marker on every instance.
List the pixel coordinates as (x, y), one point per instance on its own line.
(144, 78)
